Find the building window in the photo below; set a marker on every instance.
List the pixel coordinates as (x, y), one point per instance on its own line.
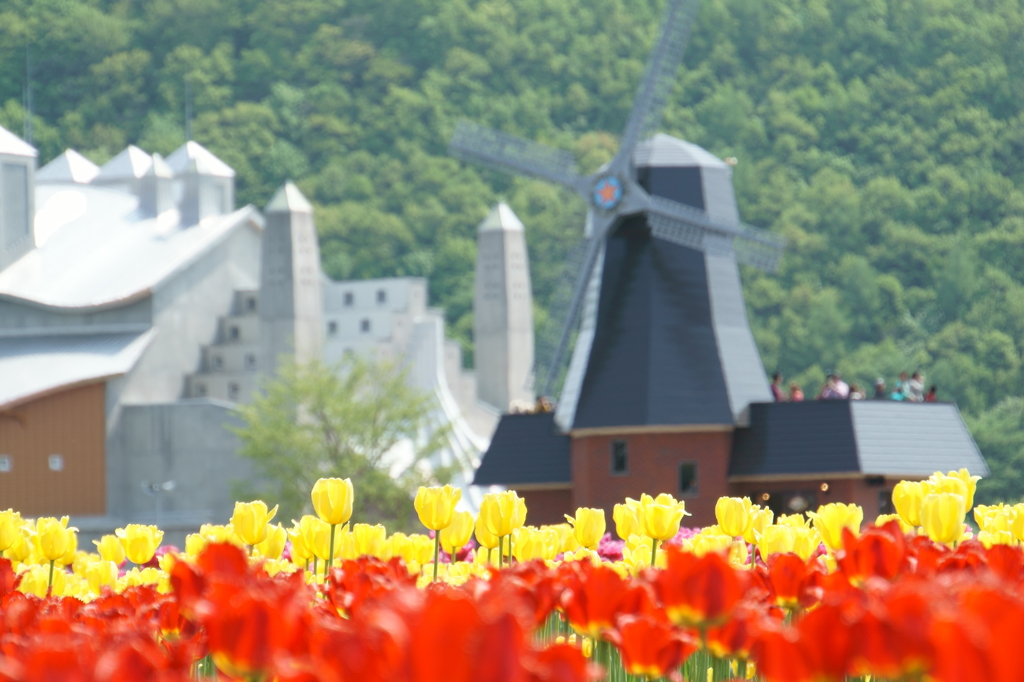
(364, 326)
(620, 457)
(885, 505)
(233, 391)
(332, 328)
(688, 479)
(233, 333)
(5, 464)
(382, 296)
(201, 390)
(218, 362)
(250, 361)
(250, 304)
(349, 299)
(56, 462)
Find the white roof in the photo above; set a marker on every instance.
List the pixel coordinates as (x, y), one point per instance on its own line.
(68, 167)
(14, 145)
(131, 163)
(501, 217)
(665, 150)
(33, 366)
(95, 249)
(206, 162)
(289, 199)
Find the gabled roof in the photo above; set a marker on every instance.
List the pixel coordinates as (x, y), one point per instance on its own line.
(868, 437)
(501, 217)
(132, 163)
(525, 449)
(34, 366)
(69, 167)
(665, 150)
(14, 145)
(95, 249)
(205, 162)
(288, 199)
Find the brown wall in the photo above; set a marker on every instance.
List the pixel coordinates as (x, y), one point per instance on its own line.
(70, 423)
(653, 468)
(547, 506)
(871, 493)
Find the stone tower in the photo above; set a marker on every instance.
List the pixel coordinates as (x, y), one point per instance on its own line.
(502, 310)
(17, 197)
(291, 307)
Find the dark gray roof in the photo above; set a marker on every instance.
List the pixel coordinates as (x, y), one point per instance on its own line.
(525, 449)
(862, 436)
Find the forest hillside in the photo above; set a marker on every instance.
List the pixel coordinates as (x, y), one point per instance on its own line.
(883, 138)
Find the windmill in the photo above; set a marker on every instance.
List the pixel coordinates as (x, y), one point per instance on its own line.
(653, 268)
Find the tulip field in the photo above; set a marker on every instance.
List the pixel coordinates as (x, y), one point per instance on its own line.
(826, 597)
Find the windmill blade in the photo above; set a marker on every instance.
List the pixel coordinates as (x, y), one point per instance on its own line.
(572, 313)
(675, 222)
(660, 75)
(509, 153)
(549, 333)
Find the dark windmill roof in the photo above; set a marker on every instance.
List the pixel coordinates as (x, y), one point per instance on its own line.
(671, 344)
(525, 449)
(861, 436)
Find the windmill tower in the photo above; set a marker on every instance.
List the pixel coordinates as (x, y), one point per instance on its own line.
(664, 364)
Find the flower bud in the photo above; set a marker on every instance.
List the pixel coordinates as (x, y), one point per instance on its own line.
(486, 538)
(369, 540)
(110, 549)
(831, 519)
(250, 521)
(140, 542)
(100, 574)
(942, 517)
(588, 526)
(661, 516)
(53, 538)
(457, 533)
(503, 512)
(273, 543)
(10, 529)
(733, 515)
(332, 499)
(436, 505)
(627, 519)
(907, 497)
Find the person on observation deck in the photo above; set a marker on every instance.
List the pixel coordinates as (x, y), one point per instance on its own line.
(777, 393)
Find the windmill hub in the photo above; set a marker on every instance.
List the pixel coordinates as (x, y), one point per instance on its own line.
(607, 192)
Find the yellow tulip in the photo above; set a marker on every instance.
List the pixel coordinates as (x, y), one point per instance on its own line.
(140, 542)
(907, 497)
(10, 529)
(831, 519)
(20, 551)
(531, 544)
(457, 533)
(733, 515)
(72, 551)
(970, 482)
(332, 499)
(942, 517)
(998, 537)
(588, 526)
(661, 516)
(777, 540)
(436, 505)
(273, 543)
(100, 574)
(792, 520)
(627, 519)
(36, 580)
(369, 540)
(806, 542)
(566, 536)
(421, 548)
(762, 518)
(702, 544)
(486, 538)
(217, 533)
(53, 538)
(194, 544)
(503, 512)
(316, 534)
(396, 546)
(250, 521)
(883, 519)
(941, 483)
(110, 549)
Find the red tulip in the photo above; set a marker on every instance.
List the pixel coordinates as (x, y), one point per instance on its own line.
(699, 591)
(651, 647)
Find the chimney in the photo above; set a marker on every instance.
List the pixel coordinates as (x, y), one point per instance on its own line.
(17, 197)
(207, 183)
(156, 193)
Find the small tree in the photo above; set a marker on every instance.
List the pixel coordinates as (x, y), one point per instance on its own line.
(317, 420)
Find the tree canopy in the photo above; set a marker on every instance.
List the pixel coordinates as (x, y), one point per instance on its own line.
(883, 138)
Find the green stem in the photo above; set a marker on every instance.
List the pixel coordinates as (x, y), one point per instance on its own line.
(509, 550)
(489, 550)
(454, 550)
(501, 549)
(330, 558)
(49, 584)
(437, 551)
(654, 551)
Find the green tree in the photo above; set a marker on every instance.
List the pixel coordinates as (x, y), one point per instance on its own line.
(345, 421)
